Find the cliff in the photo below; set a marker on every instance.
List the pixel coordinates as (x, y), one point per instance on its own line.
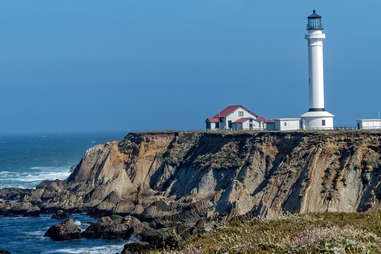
(180, 178)
(226, 174)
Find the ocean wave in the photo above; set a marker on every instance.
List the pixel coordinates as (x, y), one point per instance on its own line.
(38, 233)
(44, 176)
(52, 168)
(32, 177)
(17, 186)
(97, 249)
(22, 177)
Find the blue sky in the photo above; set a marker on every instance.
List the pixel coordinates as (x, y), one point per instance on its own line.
(95, 65)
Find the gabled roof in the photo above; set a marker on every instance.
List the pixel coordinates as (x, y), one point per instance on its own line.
(242, 120)
(213, 119)
(230, 109)
(261, 118)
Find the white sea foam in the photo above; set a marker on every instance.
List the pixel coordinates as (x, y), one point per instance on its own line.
(43, 176)
(134, 238)
(51, 168)
(109, 249)
(83, 226)
(33, 176)
(35, 233)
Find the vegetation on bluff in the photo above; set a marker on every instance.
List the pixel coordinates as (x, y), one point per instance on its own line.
(312, 233)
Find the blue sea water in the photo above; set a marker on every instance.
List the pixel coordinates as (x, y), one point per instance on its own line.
(25, 161)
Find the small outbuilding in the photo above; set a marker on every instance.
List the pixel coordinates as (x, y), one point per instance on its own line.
(212, 123)
(286, 124)
(369, 124)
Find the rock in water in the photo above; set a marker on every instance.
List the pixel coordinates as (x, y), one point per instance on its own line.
(66, 230)
(4, 252)
(19, 209)
(114, 228)
(60, 215)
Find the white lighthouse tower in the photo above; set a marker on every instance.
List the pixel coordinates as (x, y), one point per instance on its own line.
(317, 118)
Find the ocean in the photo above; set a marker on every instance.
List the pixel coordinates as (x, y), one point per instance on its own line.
(25, 161)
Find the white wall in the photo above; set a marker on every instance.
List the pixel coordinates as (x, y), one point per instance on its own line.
(235, 116)
(316, 68)
(256, 125)
(315, 123)
(369, 124)
(212, 126)
(287, 124)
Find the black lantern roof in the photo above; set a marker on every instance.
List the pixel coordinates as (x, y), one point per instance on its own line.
(314, 15)
(314, 22)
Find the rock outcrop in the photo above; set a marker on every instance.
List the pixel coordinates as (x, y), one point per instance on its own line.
(66, 230)
(19, 209)
(60, 215)
(114, 228)
(177, 180)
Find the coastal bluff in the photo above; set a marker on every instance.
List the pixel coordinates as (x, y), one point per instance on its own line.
(184, 180)
(261, 173)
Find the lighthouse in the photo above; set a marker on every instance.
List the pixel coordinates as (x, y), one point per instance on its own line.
(317, 118)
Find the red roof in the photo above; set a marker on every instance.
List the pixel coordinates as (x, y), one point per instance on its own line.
(261, 118)
(270, 121)
(230, 109)
(213, 119)
(241, 120)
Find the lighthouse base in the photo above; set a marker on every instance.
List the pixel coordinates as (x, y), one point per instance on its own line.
(317, 120)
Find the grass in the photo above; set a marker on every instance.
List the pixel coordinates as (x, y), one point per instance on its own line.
(312, 233)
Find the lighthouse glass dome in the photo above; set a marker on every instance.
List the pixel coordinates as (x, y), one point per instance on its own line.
(314, 22)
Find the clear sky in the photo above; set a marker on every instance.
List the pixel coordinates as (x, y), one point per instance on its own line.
(95, 65)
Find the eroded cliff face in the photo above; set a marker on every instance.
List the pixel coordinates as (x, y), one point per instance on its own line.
(185, 176)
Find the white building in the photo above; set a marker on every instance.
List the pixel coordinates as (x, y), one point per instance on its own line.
(249, 124)
(235, 117)
(317, 118)
(285, 124)
(369, 124)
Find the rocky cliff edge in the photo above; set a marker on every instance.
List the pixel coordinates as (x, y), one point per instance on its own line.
(171, 178)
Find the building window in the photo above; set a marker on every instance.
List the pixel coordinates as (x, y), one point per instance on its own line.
(323, 122)
(285, 123)
(217, 125)
(230, 124)
(240, 113)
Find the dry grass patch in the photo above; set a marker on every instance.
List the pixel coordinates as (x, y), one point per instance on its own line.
(313, 233)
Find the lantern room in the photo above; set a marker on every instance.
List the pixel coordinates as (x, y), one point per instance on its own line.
(314, 22)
